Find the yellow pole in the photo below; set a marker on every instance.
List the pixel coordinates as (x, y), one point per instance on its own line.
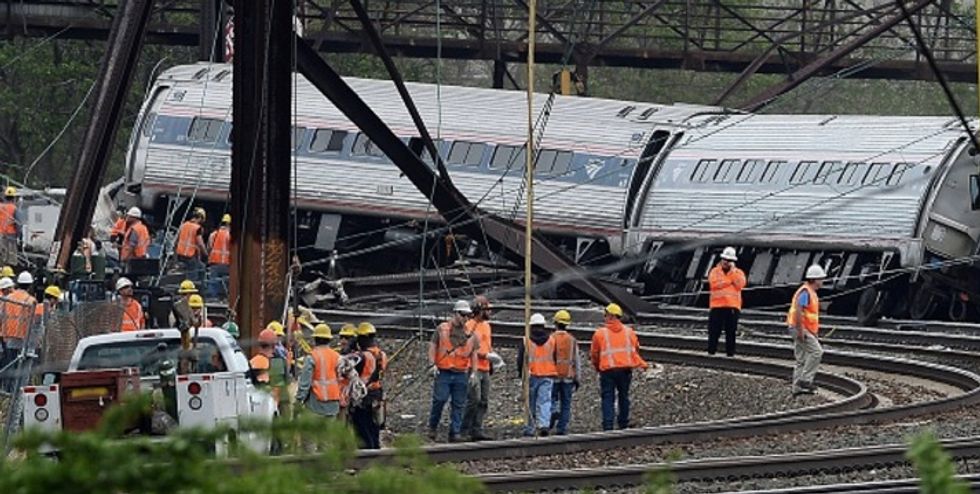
(976, 8)
(529, 201)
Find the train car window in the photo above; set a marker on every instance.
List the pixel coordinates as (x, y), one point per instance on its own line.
(805, 172)
(876, 174)
(545, 161)
(204, 129)
(772, 169)
(725, 170)
(896, 176)
(828, 172)
(364, 147)
(327, 141)
(852, 173)
(505, 156)
(297, 138)
(563, 162)
(704, 170)
(748, 171)
(466, 153)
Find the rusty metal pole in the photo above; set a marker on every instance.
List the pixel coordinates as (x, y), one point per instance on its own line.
(113, 81)
(260, 175)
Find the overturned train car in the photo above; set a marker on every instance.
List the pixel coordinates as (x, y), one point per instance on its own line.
(649, 193)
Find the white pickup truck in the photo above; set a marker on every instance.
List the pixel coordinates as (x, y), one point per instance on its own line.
(219, 391)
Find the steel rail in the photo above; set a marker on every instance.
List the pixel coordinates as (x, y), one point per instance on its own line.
(721, 468)
(900, 486)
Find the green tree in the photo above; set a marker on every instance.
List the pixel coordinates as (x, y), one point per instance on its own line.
(937, 472)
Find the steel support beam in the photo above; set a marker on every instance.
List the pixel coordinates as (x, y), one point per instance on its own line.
(210, 39)
(451, 204)
(811, 69)
(260, 169)
(113, 82)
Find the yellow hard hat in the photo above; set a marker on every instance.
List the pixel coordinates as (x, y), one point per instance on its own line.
(53, 291)
(226, 219)
(322, 331)
(11, 192)
(348, 329)
(7, 272)
(365, 329)
(614, 309)
(187, 287)
(563, 317)
(195, 302)
(276, 327)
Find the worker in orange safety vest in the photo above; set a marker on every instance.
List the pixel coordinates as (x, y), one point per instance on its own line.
(453, 357)
(539, 352)
(133, 318)
(190, 249)
(478, 397)
(9, 226)
(803, 320)
(319, 383)
(569, 368)
(726, 282)
(615, 352)
(367, 417)
(136, 239)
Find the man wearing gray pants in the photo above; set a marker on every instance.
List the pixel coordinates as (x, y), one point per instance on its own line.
(803, 320)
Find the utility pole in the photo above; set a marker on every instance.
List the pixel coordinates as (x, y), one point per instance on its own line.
(260, 166)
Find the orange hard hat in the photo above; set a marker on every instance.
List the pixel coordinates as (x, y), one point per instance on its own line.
(268, 336)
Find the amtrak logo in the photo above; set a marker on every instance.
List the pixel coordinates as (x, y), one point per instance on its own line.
(592, 168)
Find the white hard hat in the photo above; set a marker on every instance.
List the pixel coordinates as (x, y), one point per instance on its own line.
(815, 272)
(729, 254)
(537, 320)
(463, 307)
(25, 278)
(123, 283)
(6, 283)
(134, 212)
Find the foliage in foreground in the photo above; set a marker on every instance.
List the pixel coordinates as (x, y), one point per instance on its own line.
(101, 462)
(937, 472)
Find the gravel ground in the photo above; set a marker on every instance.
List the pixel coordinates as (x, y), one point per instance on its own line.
(678, 394)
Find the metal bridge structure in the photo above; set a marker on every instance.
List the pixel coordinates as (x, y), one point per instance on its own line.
(798, 38)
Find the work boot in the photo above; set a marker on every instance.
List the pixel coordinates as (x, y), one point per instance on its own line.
(554, 419)
(543, 432)
(808, 385)
(456, 438)
(480, 436)
(431, 434)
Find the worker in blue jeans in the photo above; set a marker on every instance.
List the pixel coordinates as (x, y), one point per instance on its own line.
(615, 352)
(568, 367)
(453, 356)
(539, 351)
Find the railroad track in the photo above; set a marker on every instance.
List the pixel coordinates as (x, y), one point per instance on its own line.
(731, 468)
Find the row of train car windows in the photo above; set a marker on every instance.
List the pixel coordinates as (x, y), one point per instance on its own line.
(549, 161)
(827, 172)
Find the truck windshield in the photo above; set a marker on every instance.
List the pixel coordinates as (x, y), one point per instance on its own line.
(148, 354)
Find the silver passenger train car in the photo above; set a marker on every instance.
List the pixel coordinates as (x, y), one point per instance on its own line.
(653, 190)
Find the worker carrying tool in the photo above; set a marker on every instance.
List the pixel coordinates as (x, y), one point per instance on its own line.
(452, 358)
(568, 368)
(367, 416)
(726, 282)
(133, 318)
(319, 382)
(539, 350)
(348, 337)
(478, 397)
(803, 320)
(615, 352)
(190, 249)
(136, 239)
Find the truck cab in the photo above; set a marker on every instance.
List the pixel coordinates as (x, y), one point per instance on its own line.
(217, 391)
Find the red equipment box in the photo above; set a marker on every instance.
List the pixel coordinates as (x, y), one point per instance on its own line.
(85, 395)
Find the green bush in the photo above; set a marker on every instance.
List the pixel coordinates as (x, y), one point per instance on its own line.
(103, 461)
(937, 473)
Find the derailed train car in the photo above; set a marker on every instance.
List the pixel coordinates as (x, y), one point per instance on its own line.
(650, 192)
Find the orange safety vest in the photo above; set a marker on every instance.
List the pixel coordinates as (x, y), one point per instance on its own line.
(8, 218)
(142, 242)
(541, 359)
(119, 227)
(17, 312)
(381, 364)
(132, 317)
(565, 348)
(220, 245)
(453, 358)
(326, 386)
(482, 331)
(726, 288)
(615, 349)
(187, 239)
(811, 313)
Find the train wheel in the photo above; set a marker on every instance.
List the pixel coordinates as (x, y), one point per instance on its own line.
(869, 306)
(958, 309)
(922, 302)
